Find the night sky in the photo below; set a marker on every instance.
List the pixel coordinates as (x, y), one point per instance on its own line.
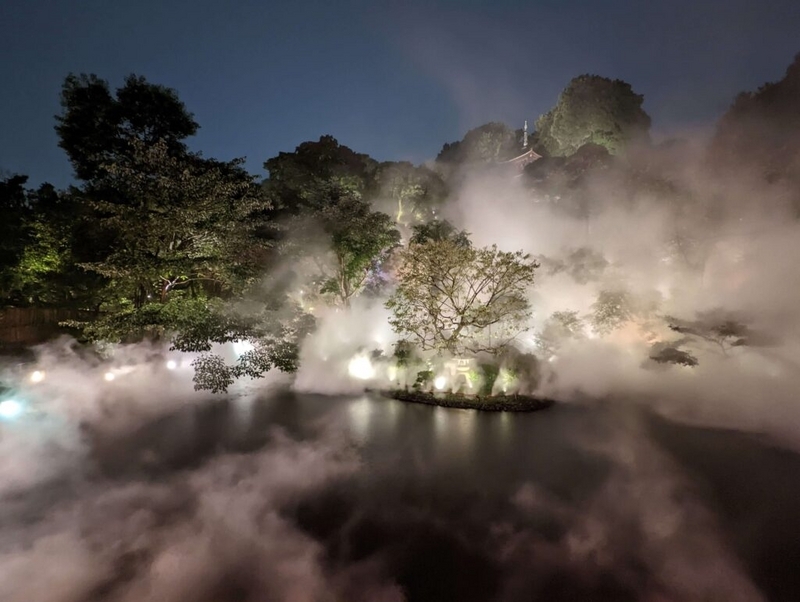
(392, 79)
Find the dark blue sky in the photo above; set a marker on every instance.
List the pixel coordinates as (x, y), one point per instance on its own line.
(392, 79)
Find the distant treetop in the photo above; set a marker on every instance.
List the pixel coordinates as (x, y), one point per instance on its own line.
(597, 110)
(761, 130)
(96, 128)
(489, 143)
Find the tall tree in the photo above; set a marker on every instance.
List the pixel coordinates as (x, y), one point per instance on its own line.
(321, 191)
(183, 230)
(361, 240)
(594, 109)
(165, 227)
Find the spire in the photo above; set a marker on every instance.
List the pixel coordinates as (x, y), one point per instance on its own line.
(525, 135)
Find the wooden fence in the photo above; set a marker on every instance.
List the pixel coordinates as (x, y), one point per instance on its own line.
(22, 326)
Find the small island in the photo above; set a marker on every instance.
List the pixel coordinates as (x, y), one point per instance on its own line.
(490, 403)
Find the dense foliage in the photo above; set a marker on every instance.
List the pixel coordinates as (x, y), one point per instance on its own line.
(155, 241)
(760, 133)
(594, 110)
(454, 297)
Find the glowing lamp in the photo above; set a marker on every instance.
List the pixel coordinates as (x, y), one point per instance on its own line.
(10, 409)
(361, 368)
(172, 364)
(439, 382)
(37, 376)
(109, 376)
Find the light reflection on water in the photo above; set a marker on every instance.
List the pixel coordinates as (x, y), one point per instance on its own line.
(360, 413)
(463, 476)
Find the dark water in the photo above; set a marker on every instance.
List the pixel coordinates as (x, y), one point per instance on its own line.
(599, 502)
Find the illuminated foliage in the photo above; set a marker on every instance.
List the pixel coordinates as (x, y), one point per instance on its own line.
(274, 336)
(360, 240)
(413, 193)
(459, 299)
(182, 226)
(593, 110)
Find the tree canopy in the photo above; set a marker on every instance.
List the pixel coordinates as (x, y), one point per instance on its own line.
(597, 110)
(414, 193)
(456, 298)
(487, 143)
(316, 174)
(96, 128)
(760, 133)
(361, 240)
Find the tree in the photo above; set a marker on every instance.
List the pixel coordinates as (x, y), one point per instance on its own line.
(183, 230)
(317, 174)
(273, 327)
(760, 133)
(489, 143)
(612, 309)
(455, 298)
(15, 234)
(670, 352)
(413, 193)
(721, 329)
(96, 128)
(594, 109)
(559, 327)
(583, 264)
(361, 240)
(439, 230)
(335, 241)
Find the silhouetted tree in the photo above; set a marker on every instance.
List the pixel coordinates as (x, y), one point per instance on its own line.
(96, 128)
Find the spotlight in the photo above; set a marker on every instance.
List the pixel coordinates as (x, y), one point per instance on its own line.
(37, 376)
(439, 382)
(172, 364)
(10, 409)
(361, 368)
(109, 376)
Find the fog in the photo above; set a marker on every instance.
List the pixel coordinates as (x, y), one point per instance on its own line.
(745, 240)
(181, 537)
(70, 532)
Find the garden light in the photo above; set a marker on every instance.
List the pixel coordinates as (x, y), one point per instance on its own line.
(10, 409)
